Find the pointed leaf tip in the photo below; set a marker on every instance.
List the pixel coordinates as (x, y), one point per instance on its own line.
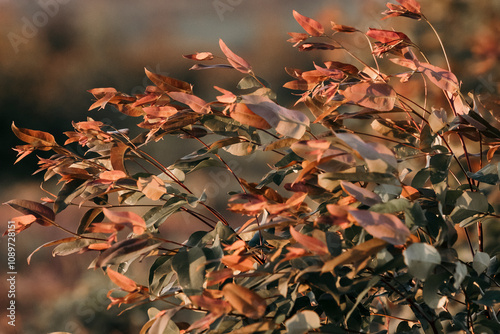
(312, 27)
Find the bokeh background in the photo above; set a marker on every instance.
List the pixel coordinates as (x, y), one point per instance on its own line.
(53, 51)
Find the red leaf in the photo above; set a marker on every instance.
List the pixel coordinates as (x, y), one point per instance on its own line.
(378, 96)
(311, 26)
(194, 102)
(412, 5)
(312, 244)
(216, 306)
(200, 56)
(361, 194)
(125, 283)
(297, 37)
(387, 36)
(235, 261)
(236, 61)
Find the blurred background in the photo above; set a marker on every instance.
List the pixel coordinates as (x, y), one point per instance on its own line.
(53, 51)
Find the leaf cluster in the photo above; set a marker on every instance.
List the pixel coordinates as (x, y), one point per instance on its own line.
(356, 220)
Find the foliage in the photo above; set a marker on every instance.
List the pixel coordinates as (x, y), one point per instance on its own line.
(377, 187)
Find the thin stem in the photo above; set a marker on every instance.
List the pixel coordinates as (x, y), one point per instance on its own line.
(440, 41)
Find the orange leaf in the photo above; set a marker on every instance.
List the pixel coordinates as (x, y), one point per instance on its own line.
(311, 26)
(219, 276)
(112, 175)
(236, 61)
(238, 262)
(314, 245)
(21, 223)
(43, 141)
(125, 283)
(228, 97)
(244, 300)
(153, 187)
(241, 113)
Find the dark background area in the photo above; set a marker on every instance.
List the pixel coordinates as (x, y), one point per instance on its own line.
(51, 54)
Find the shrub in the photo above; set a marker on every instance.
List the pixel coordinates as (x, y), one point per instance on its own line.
(355, 223)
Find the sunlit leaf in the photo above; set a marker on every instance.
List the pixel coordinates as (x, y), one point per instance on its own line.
(383, 226)
(236, 61)
(444, 79)
(168, 84)
(311, 26)
(200, 56)
(194, 102)
(421, 258)
(312, 244)
(361, 194)
(45, 216)
(302, 322)
(290, 123)
(40, 140)
(378, 96)
(125, 283)
(358, 255)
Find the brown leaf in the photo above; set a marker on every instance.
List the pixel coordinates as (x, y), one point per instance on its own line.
(168, 84)
(379, 96)
(43, 141)
(245, 301)
(316, 46)
(343, 28)
(126, 250)
(194, 102)
(219, 276)
(358, 255)
(311, 26)
(45, 216)
(125, 283)
(382, 226)
(312, 244)
(216, 306)
(297, 37)
(200, 56)
(411, 5)
(117, 156)
(236, 61)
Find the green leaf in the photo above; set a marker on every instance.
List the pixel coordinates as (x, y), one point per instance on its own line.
(467, 205)
(480, 262)
(392, 206)
(490, 298)
(77, 245)
(439, 168)
(157, 215)
(432, 287)
(126, 250)
(487, 174)
(190, 268)
(250, 82)
(421, 259)
(69, 191)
